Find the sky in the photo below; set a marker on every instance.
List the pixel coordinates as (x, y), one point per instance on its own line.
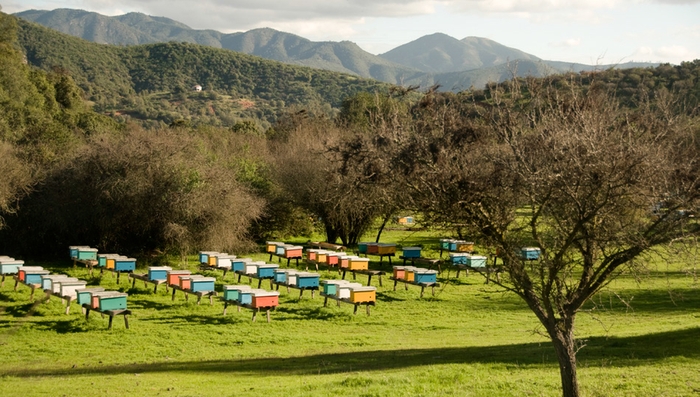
(581, 31)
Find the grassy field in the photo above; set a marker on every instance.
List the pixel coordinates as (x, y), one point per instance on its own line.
(641, 336)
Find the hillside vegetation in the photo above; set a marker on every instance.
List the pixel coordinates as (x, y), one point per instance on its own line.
(154, 82)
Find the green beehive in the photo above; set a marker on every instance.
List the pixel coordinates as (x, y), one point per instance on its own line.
(115, 301)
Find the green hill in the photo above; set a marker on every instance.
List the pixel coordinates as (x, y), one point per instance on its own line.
(154, 82)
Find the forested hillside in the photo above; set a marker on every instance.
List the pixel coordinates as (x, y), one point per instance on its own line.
(155, 82)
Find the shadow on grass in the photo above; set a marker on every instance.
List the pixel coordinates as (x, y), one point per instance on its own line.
(628, 351)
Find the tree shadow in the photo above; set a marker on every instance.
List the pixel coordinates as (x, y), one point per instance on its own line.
(625, 351)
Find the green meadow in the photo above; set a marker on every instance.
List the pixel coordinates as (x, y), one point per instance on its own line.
(639, 336)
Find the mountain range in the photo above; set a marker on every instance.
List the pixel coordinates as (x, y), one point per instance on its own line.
(433, 59)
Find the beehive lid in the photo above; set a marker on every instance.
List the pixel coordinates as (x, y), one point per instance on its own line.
(274, 243)
(400, 267)
(267, 266)
(358, 259)
(425, 271)
(350, 285)
(91, 289)
(293, 247)
(308, 274)
(30, 268)
(125, 259)
(179, 272)
(313, 250)
(338, 254)
(257, 263)
(411, 248)
(161, 268)
(11, 262)
(477, 257)
(335, 282)
(364, 289)
(192, 277)
(262, 293)
(107, 293)
(349, 257)
(291, 271)
(87, 249)
(77, 247)
(244, 260)
(455, 254)
(530, 249)
(209, 279)
(73, 282)
(54, 276)
(237, 287)
(386, 244)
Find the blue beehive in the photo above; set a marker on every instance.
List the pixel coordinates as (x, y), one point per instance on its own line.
(239, 264)
(445, 243)
(411, 252)
(87, 253)
(232, 292)
(202, 284)
(156, 273)
(204, 256)
(34, 276)
(245, 296)
(123, 264)
(280, 276)
(330, 287)
(476, 261)
(73, 249)
(458, 258)
(266, 270)
(10, 266)
(530, 253)
(48, 279)
(424, 276)
(85, 294)
(279, 250)
(307, 280)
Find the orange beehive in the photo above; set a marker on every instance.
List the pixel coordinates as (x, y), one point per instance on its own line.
(465, 246)
(372, 248)
(312, 254)
(293, 251)
(262, 298)
(174, 276)
(271, 246)
(399, 272)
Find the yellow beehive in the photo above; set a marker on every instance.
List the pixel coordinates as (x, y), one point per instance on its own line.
(410, 273)
(363, 294)
(358, 264)
(386, 249)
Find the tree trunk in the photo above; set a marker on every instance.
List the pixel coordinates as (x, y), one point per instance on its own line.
(331, 234)
(563, 340)
(381, 228)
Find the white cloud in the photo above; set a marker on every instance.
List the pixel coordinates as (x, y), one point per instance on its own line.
(572, 42)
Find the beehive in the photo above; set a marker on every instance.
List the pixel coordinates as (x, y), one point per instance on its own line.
(223, 260)
(124, 264)
(239, 264)
(530, 253)
(411, 252)
(362, 247)
(453, 245)
(386, 249)
(202, 284)
(291, 276)
(156, 273)
(204, 256)
(73, 249)
(271, 246)
(252, 267)
(293, 251)
(409, 274)
(330, 287)
(312, 254)
(465, 246)
(363, 294)
(262, 298)
(112, 261)
(344, 289)
(102, 259)
(322, 256)
(476, 261)
(85, 294)
(70, 288)
(345, 261)
(56, 284)
(87, 253)
(47, 280)
(307, 280)
(10, 266)
(445, 243)
(232, 292)
(174, 276)
(245, 296)
(458, 258)
(280, 276)
(31, 274)
(399, 272)
(266, 270)
(279, 250)
(424, 276)
(113, 301)
(358, 263)
(372, 248)
(185, 280)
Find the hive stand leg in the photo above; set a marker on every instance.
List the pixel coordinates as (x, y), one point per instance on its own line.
(255, 314)
(355, 311)
(389, 260)
(187, 296)
(369, 280)
(405, 285)
(422, 289)
(225, 307)
(224, 276)
(199, 299)
(288, 261)
(2, 283)
(301, 292)
(354, 276)
(381, 258)
(395, 282)
(31, 296)
(211, 299)
(259, 282)
(343, 279)
(68, 305)
(174, 293)
(458, 269)
(87, 313)
(155, 288)
(268, 315)
(313, 293)
(272, 283)
(277, 287)
(404, 261)
(367, 309)
(111, 317)
(126, 321)
(288, 289)
(133, 283)
(380, 280)
(239, 308)
(433, 289)
(16, 283)
(239, 278)
(270, 258)
(325, 302)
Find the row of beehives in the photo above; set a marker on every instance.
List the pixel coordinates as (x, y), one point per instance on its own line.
(453, 245)
(71, 289)
(415, 275)
(288, 251)
(112, 262)
(376, 248)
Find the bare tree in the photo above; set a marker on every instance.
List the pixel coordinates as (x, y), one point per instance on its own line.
(593, 185)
